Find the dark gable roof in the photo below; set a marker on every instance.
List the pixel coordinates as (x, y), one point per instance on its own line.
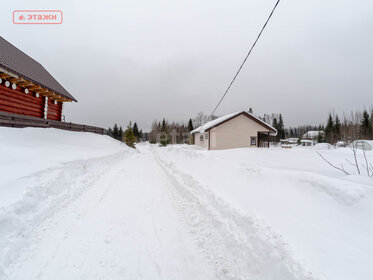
(14, 60)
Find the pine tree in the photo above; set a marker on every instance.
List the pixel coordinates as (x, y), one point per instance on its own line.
(164, 138)
(164, 126)
(129, 136)
(190, 125)
(337, 128)
(136, 132)
(281, 128)
(320, 138)
(329, 130)
(366, 126)
(275, 125)
(120, 134)
(115, 131)
(110, 132)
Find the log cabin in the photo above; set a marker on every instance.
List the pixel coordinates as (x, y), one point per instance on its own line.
(236, 130)
(27, 88)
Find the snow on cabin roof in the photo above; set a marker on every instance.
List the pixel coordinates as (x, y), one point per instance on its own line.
(14, 60)
(218, 121)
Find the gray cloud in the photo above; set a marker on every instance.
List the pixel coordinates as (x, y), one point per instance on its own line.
(140, 60)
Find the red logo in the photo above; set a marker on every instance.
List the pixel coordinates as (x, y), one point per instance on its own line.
(37, 17)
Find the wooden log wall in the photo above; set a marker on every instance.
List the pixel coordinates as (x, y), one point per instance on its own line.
(18, 102)
(54, 110)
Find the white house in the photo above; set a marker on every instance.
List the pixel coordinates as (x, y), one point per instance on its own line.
(237, 130)
(313, 134)
(306, 143)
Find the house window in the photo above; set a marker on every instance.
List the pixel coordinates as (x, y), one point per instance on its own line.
(253, 141)
(201, 138)
(206, 136)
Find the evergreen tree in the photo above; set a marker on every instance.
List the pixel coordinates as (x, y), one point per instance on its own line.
(190, 125)
(164, 138)
(251, 110)
(320, 138)
(136, 131)
(275, 125)
(115, 131)
(110, 132)
(129, 136)
(329, 130)
(337, 128)
(120, 134)
(366, 126)
(281, 128)
(164, 126)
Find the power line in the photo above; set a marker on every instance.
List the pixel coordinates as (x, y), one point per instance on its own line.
(244, 61)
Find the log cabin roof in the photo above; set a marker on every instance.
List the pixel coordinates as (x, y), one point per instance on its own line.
(15, 61)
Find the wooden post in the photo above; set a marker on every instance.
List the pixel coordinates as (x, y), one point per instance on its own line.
(268, 139)
(45, 107)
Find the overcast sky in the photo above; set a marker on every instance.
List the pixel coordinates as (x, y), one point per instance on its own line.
(141, 60)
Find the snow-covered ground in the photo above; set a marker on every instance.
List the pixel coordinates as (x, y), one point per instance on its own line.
(84, 206)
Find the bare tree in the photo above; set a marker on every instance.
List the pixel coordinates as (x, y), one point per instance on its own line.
(336, 167)
(366, 165)
(201, 118)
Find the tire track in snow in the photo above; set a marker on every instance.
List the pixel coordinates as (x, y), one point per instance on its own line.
(238, 246)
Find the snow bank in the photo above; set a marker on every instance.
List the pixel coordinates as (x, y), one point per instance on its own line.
(324, 217)
(41, 171)
(25, 151)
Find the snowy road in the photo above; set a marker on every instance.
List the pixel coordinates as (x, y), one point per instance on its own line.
(124, 226)
(130, 215)
(85, 206)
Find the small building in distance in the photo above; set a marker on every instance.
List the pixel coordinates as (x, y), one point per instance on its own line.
(306, 143)
(366, 145)
(27, 88)
(289, 142)
(313, 135)
(237, 130)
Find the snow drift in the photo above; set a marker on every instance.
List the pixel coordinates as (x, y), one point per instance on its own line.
(83, 206)
(324, 218)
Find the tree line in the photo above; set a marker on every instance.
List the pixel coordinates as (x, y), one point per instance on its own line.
(356, 125)
(165, 132)
(130, 135)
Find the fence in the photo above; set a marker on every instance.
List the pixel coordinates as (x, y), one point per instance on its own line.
(14, 120)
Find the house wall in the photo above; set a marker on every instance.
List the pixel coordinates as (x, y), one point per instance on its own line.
(235, 133)
(197, 140)
(54, 110)
(18, 102)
